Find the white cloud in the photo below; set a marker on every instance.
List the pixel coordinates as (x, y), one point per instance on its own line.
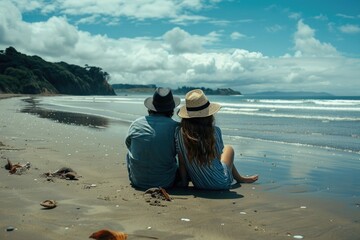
(185, 19)
(182, 42)
(191, 4)
(294, 15)
(93, 19)
(180, 11)
(55, 37)
(350, 28)
(274, 28)
(180, 58)
(12, 29)
(321, 17)
(28, 5)
(345, 16)
(237, 35)
(307, 45)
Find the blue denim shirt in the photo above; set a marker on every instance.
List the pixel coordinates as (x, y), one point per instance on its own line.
(151, 158)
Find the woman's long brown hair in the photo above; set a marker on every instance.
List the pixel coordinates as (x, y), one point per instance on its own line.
(199, 139)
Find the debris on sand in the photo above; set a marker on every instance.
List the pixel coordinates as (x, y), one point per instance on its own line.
(17, 168)
(63, 173)
(109, 234)
(155, 196)
(106, 234)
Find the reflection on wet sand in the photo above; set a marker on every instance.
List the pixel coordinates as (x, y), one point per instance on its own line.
(33, 107)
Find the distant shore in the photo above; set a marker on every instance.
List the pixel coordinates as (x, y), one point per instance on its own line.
(102, 197)
(9, 95)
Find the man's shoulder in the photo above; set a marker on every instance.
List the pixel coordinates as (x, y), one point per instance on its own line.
(139, 119)
(161, 118)
(137, 122)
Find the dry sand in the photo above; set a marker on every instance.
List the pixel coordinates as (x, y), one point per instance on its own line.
(102, 197)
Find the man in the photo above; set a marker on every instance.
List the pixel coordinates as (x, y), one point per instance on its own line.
(151, 158)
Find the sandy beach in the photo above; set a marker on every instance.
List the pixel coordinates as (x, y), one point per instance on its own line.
(102, 197)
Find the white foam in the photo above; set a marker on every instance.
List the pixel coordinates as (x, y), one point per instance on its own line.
(240, 109)
(279, 115)
(294, 144)
(297, 107)
(337, 102)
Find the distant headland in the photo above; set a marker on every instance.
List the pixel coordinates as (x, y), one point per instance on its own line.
(137, 88)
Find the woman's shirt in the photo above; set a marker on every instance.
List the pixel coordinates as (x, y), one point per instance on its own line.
(216, 175)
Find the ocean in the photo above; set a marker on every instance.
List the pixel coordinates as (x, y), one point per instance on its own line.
(298, 145)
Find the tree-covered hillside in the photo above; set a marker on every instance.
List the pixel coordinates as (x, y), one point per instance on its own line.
(20, 73)
(138, 88)
(208, 91)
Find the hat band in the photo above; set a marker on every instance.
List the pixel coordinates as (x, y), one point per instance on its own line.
(159, 103)
(191, 109)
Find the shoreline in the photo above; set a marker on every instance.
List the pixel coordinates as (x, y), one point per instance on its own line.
(98, 156)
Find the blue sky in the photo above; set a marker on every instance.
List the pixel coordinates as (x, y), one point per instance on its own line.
(251, 46)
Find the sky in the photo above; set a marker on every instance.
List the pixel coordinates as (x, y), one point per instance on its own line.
(250, 45)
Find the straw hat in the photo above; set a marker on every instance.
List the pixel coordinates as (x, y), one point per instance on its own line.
(162, 100)
(197, 105)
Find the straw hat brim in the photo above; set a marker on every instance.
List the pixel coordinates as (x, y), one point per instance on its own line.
(210, 110)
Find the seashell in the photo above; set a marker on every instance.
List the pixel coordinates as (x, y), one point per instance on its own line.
(105, 234)
(48, 204)
(10, 229)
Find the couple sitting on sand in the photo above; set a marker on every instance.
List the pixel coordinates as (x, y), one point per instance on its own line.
(156, 141)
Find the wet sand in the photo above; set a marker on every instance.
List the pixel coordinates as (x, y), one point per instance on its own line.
(102, 197)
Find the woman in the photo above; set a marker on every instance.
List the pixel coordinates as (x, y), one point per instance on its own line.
(201, 151)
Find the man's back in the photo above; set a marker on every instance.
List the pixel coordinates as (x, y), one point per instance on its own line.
(152, 155)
